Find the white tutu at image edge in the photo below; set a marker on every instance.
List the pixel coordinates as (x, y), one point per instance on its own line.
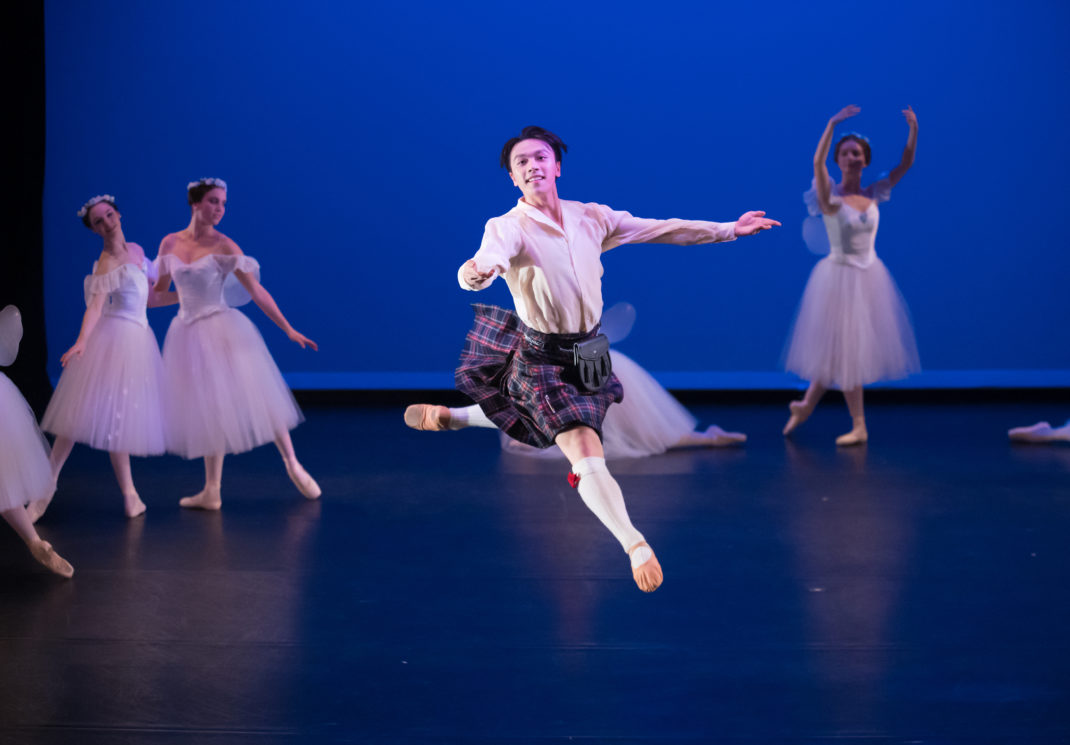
(647, 422)
(25, 473)
(110, 398)
(223, 391)
(852, 328)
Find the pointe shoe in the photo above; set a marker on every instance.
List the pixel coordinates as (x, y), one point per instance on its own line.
(1040, 432)
(857, 436)
(718, 438)
(428, 417)
(45, 554)
(303, 481)
(648, 575)
(208, 499)
(799, 414)
(133, 506)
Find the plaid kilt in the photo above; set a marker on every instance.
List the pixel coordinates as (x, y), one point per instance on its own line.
(525, 381)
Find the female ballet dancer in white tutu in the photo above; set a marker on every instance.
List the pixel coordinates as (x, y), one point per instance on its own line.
(108, 396)
(852, 327)
(223, 392)
(25, 473)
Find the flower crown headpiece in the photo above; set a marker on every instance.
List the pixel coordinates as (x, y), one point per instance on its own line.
(94, 202)
(855, 136)
(209, 182)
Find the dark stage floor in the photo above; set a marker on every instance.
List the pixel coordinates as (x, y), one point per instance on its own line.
(914, 591)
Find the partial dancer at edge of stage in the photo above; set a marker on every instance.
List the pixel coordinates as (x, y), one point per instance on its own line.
(649, 421)
(223, 392)
(108, 396)
(1040, 433)
(852, 326)
(25, 473)
(541, 374)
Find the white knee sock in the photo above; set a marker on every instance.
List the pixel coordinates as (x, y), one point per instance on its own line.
(470, 416)
(602, 495)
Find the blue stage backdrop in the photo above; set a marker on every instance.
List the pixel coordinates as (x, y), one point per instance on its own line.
(360, 142)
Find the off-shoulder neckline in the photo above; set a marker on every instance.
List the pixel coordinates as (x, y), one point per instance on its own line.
(142, 265)
(202, 258)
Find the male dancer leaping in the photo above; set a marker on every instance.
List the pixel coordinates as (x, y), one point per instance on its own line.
(541, 374)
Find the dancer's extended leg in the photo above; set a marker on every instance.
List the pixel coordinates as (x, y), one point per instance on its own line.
(302, 480)
(434, 418)
(713, 437)
(858, 434)
(18, 519)
(1040, 432)
(211, 497)
(602, 495)
(801, 410)
(120, 463)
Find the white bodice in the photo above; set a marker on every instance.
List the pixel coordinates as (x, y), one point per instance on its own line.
(127, 290)
(852, 233)
(200, 284)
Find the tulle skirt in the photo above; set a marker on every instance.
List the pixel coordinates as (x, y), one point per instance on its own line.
(223, 392)
(110, 399)
(647, 422)
(852, 328)
(25, 474)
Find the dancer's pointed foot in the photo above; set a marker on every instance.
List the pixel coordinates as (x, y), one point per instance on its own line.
(428, 417)
(1039, 432)
(133, 505)
(645, 567)
(800, 412)
(45, 554)
(718, 438)
(857, 436)
(209, 499)
(302, 480)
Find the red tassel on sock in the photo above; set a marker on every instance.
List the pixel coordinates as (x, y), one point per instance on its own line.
(573, 479)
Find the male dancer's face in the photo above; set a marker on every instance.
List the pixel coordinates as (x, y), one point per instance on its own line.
(533, 169)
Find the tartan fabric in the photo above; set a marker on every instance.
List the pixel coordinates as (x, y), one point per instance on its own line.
(524, 382)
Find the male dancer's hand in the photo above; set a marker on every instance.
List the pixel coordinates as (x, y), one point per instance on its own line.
(475, 278)
(753, 222)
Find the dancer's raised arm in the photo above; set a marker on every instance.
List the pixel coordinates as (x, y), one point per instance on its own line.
(908, 152)
(821, 171)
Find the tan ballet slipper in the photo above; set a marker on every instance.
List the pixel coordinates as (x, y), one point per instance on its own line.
(800, 412)
(302, 480)
(132, 505)
(208, 499)
(428, 417)
(46, 555)
(857, 436)
(648, 575)
(719, 438)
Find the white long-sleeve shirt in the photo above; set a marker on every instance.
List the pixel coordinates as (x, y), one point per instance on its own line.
(555, 274)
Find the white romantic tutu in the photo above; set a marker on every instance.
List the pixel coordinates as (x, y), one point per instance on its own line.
(25, 474)
(647, 422)
(110, 398)
(223, 391)
(852, 328)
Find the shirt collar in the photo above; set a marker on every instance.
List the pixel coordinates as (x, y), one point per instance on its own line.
(536, 214)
